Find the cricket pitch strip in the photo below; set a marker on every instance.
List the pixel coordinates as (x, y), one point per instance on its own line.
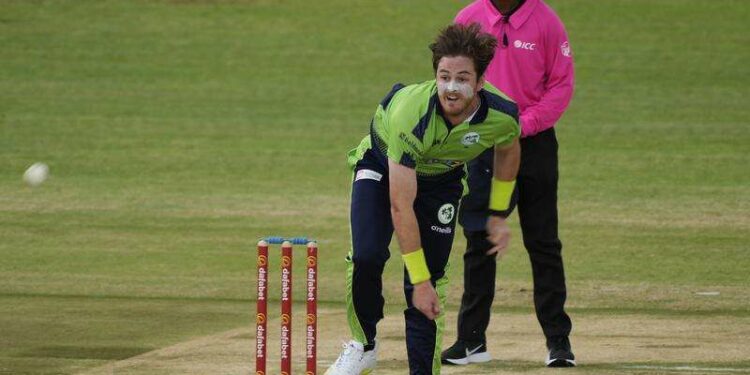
(603, 344)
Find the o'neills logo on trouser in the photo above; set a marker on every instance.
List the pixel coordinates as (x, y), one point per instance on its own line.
(443, 230)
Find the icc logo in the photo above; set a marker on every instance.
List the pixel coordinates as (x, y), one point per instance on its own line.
(311, 261)
(260, 373)
(285, 319)
(285, 261)
(524, 45)
(260, 318)
(262, 261)
(310, 319)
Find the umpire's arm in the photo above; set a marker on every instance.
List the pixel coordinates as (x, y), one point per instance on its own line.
(506, 164)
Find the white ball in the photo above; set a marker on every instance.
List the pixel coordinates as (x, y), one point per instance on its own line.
(36, 174)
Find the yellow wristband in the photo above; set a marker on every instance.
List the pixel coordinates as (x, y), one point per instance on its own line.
(416, 266)
(501, 193)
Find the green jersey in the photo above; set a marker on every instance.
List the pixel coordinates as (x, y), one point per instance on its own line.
(410, 129)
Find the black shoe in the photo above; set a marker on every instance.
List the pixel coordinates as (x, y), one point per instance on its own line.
(560, 354)
(465, 352)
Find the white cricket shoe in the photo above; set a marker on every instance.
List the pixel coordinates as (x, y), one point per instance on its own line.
(354, 360)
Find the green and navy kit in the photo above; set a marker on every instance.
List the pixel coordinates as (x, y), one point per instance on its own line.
(409, 127)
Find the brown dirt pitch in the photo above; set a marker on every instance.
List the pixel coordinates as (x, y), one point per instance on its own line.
(604, 344)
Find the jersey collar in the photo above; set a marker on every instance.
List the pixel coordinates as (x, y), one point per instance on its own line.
(481, 114)
(517, 19)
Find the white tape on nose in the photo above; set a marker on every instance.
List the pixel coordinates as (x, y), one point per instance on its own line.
(453, 87)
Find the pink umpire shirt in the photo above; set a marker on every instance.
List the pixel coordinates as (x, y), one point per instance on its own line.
(533, 61)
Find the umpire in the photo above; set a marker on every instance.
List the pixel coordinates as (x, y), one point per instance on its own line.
(533, 64)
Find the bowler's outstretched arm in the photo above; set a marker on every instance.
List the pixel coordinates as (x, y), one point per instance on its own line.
(403, 192)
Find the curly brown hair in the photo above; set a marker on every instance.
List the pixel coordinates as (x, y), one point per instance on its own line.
(463, 40)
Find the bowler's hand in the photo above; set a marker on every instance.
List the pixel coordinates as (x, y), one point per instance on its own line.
(499, 234)
(425, 299)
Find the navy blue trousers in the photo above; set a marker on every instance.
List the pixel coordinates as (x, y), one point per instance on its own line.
(372, 228)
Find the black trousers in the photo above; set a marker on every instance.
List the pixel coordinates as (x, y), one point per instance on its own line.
(537, 211)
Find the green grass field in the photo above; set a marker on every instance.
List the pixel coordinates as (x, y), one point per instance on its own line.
(178, 132)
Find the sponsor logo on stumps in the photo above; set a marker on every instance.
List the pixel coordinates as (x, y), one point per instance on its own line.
(286, 308)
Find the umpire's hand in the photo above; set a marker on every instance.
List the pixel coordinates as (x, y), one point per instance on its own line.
(499, 234)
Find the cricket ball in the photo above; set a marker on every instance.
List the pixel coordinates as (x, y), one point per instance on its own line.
(36, 174)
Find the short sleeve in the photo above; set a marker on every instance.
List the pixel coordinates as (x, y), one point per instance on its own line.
(509, 131)
(404, 147)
